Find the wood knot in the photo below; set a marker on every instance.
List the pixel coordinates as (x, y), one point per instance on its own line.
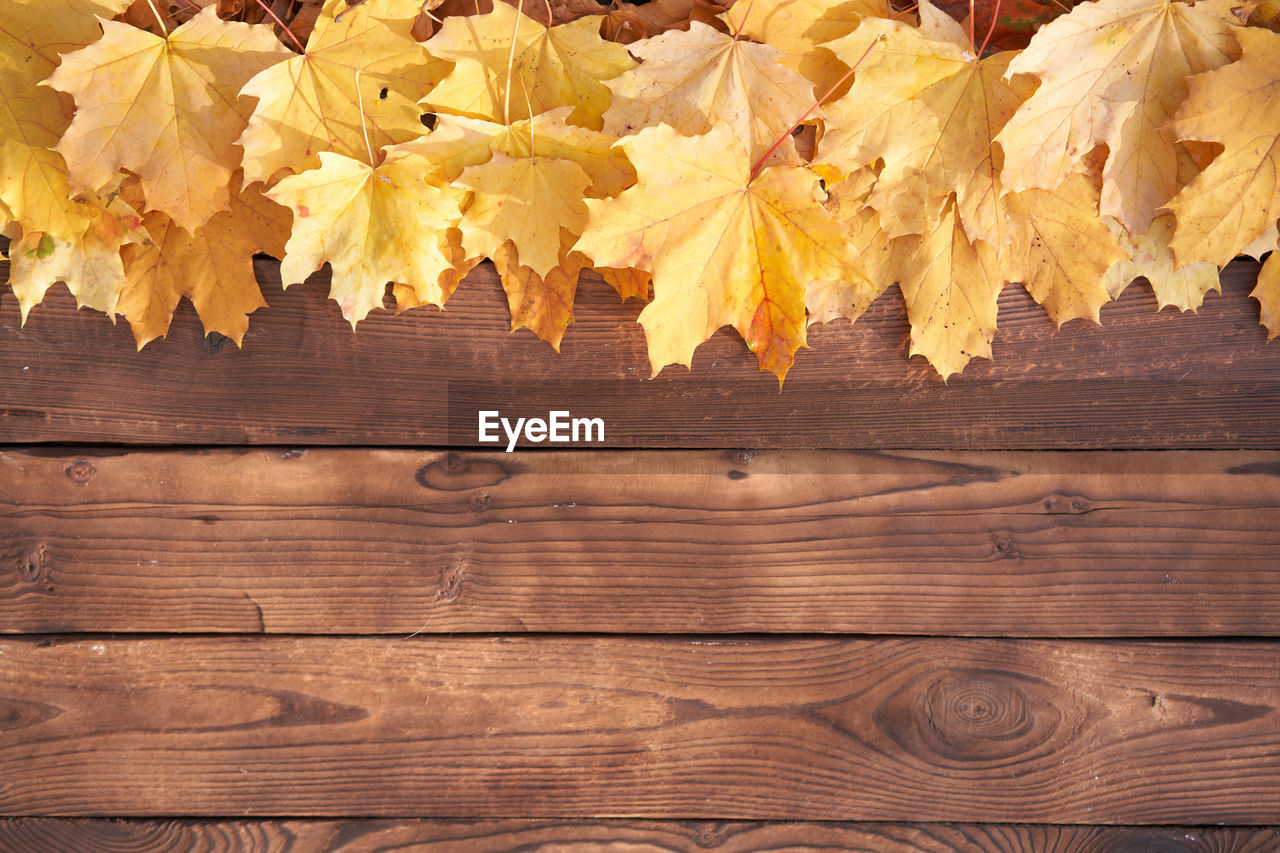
(1005, 548)
(743, 457)
(80, 471)
(33, 564)
(452, 575)
(480, 503)
(456, 473)
(711, 835)
(1064, 505)
(971, 716)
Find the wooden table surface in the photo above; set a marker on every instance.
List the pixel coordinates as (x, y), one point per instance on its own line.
(279, 598)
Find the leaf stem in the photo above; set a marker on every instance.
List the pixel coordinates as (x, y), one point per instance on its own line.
(511, 64)
(995, 16)
(973, 43)
(742, 22)
(159, 20)
(364, 125)
(756, 169)
(282, 26)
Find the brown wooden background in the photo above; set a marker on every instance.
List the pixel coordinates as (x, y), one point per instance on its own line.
(274, 599)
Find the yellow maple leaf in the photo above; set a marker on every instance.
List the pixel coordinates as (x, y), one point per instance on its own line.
(848, 298)
(723, 248)
(525, 200)
(1267, 292)
(1267, 241)
(1150, 257)
(795, 26)
(703, 78)
(799, 28)
(507, 64)
(1059, 249)
(458, 142)
(182, 144)
(627, 282)
(213, 267)
(527, 183)
(449, 241)
(953, 105)
(353, 216)
(33, 177)
(541, 303)
(951, 286)
(1112, 74)
(1237, 197)
(311, 103)
(35, 33)
(90, 267)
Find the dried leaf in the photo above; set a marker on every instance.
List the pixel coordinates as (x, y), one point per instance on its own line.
(182, 145)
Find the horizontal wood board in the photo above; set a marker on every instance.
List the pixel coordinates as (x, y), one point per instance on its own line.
(1143, 380)
(71, 835)
(877, 730)
(368, 541)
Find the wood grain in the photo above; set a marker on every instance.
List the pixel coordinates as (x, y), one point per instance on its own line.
(69, 835)
(402, 542)
(1144, 380)
(467, 727)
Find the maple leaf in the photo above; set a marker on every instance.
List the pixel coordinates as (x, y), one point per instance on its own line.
(799, 28)
(182, 145)
(33, 178)
(542, 303)
(700, 79)
(524, 200)
(508, 67)
(459, 142)
(449, 241)
(90, 267)
(520, 195)
(1267, 241)
(34, 34)
(1059, 249)
(629, 283)
(954, 106)
(723, 248)
(1150, 257)
(1267, 292)
(212, 266)
(352, 215)
(1112, 73)
(311, 103)
(527, 181)
(1238, 196)
(796, 26)
(951, 287)
(849, 298)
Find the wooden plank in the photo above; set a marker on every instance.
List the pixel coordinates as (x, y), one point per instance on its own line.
(1145, 380)
(402, 542)
(71, 835)
(881, 730)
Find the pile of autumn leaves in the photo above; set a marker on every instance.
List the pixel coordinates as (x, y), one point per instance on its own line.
(1130, 138)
